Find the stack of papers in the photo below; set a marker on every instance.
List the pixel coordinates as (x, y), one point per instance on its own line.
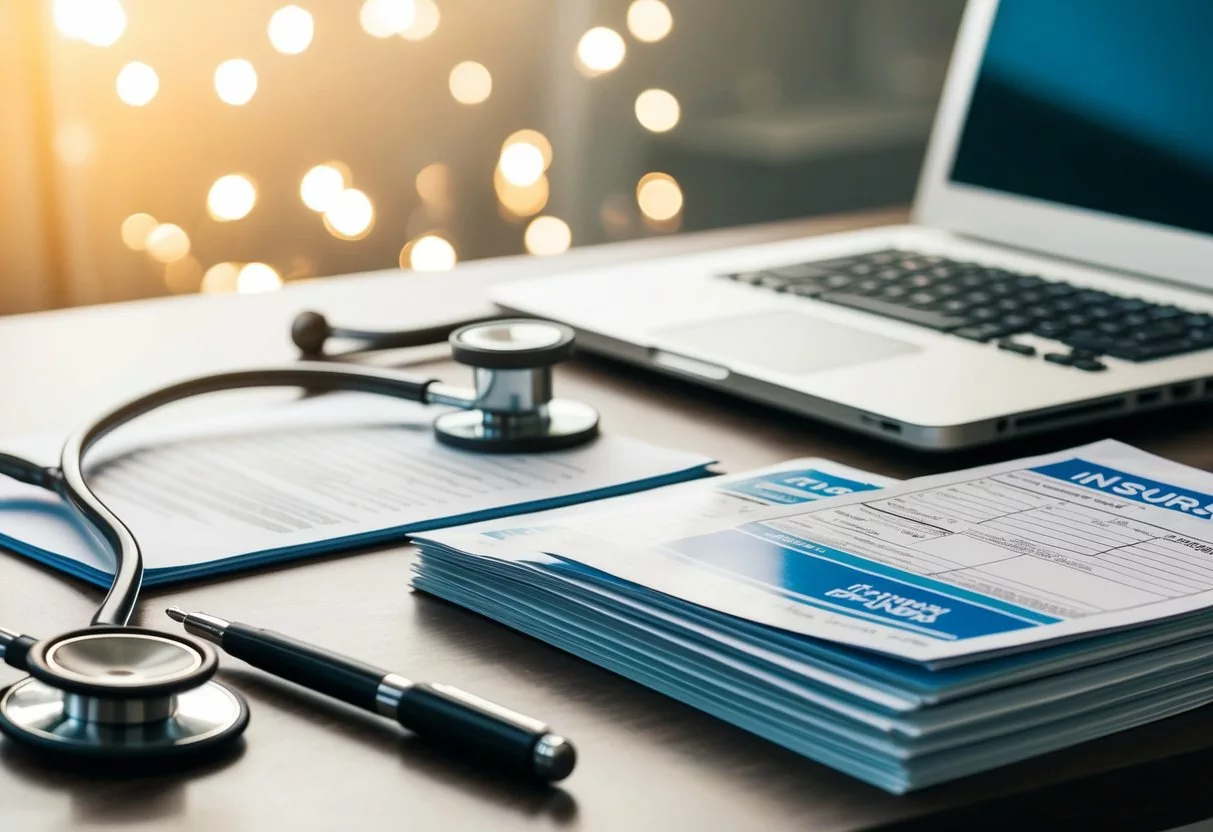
(309, 477)
(907, 634)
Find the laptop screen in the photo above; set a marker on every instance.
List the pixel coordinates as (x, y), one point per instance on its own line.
(1099, 104)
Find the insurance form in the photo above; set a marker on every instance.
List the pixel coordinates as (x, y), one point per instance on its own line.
(938, 569)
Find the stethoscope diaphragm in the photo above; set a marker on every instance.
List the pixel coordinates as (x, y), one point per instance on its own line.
(121, 693)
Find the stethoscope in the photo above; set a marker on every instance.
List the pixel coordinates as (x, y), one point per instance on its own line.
(113, 692)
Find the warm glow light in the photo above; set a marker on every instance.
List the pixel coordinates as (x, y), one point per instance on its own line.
(649, 20)
(429, 253)
(521, 163)
(350, 216)
(231, 198)
(521, 201)
(321, 186)
(470, 82)
(532, 137)
(659, 196)
(221, 277)
(168, 242)
(235, 82)
(425, 20)
(547, 235)
(99, 22)
(291, 30)
(257, 277)
(600, 50)
(183, 276)
(137, 84)
(135, 230)
(657, 110)
(384, 18)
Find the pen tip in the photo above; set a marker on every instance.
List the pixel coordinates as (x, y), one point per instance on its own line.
(175, 613)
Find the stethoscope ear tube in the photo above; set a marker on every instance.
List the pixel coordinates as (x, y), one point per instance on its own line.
(311, 332)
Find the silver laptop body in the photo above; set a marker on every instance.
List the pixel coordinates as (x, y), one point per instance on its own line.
(1057, 270)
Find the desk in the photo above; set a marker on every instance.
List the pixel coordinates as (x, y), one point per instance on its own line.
(647, 762)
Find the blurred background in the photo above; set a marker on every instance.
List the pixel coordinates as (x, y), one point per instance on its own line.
(150, 147)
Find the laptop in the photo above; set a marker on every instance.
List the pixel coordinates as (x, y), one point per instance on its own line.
(1057, 269)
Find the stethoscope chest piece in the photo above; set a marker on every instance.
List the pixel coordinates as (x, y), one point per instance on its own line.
(513, 410)
(121, 693)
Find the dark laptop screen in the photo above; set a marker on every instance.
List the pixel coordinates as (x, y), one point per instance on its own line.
(1099, 104)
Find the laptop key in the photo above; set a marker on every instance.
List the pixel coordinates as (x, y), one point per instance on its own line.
(1016, 347)
(801, 271)
(1019, 323)
(805, 290)
(747, 277)
(982, 332)
(921, 317)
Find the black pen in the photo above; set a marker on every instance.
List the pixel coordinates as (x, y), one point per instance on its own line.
(440, 713)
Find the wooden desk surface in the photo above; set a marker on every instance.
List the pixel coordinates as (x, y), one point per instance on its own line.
(647, 762)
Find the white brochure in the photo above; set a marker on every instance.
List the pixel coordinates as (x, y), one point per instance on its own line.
(940, 569)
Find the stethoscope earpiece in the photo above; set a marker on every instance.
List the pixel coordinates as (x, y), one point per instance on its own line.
(309, 331)
(126, 693)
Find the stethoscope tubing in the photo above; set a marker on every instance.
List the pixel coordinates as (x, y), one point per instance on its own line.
(68, 480)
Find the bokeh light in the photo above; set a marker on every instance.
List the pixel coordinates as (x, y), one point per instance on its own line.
(167, 242)
(183, 276)
(657, 110)
(532, 137)
(235, 82)
(617, 215)
(521, 201)
(435, 186)
(649, 20)
(350, 216)
(231, 198)
(428, 253)
(547, 235)
(137, 83)
(384, 18)
(659, 196)
(521, 163)
(600, 50)
(321, 186)
(221, 277)
(135, 230)
(75, 143)
(99, 22)
(291, 30)
(425, 20)
(257, 277)
(470, 83)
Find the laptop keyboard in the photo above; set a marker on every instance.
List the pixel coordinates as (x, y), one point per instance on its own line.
(983, 303)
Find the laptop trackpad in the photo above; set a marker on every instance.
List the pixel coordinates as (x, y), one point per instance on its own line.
(786, 342)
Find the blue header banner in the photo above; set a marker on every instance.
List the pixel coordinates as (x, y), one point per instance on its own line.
(822, 577)
(1127, 486)
(793, 487)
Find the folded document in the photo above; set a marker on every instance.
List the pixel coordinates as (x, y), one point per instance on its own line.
(906, 635)
(304, 478)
